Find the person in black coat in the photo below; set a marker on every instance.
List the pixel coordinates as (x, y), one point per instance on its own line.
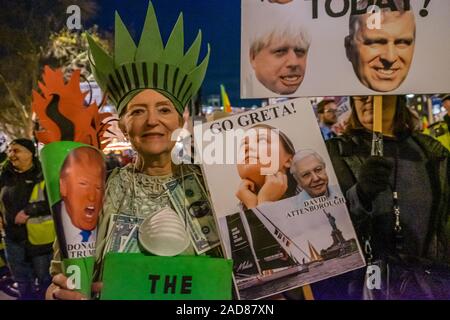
(19, 175)
(399, 205)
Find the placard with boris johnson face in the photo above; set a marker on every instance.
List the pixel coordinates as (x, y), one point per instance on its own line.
(74, 170)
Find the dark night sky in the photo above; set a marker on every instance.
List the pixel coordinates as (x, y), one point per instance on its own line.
(219, 21)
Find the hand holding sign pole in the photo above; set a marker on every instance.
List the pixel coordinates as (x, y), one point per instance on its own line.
(377, 139)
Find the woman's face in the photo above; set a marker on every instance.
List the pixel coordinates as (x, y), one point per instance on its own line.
(149, 120)
(255, 157)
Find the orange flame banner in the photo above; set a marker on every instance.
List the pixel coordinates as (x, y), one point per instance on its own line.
(62, 113)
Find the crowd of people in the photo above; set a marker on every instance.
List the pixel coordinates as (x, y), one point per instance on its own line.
(372, 186)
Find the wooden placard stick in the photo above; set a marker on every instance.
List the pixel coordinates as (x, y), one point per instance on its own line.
(377, 139)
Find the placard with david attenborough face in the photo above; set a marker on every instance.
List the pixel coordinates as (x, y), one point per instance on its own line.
(349, 47)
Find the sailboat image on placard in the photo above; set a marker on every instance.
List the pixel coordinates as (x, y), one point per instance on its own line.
(314, 257)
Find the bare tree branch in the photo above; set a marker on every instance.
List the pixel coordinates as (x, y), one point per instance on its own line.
(25, 28)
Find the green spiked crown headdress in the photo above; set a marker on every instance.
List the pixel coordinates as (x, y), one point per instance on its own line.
(150, 65)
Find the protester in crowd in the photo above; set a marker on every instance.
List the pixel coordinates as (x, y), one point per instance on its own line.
(5, 275)
(150, 112)
(446, 105)
(381, 57)
(21, 174)
(280, 1)
(327, 109)
(441, 130)
(399, 204)
(263, 166)
(82, 185)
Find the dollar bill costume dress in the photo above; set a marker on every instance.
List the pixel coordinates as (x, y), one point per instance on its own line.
(138, 195)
